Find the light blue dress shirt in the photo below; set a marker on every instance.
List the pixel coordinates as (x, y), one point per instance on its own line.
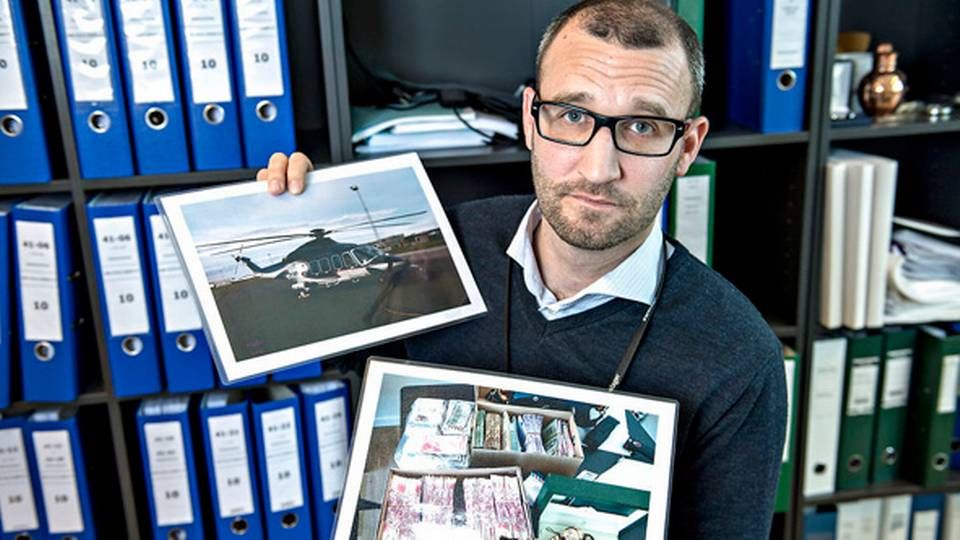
(633, 279)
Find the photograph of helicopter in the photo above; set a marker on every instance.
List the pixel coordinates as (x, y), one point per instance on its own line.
(365, 255)
(321, 262)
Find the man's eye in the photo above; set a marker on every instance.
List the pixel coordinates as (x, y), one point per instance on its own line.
(573, 116)
(641, 127)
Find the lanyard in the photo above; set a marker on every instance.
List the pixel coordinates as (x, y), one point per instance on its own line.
(635, 341)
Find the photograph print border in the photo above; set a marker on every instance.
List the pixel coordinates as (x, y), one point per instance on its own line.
(368, 401)
(230, 368)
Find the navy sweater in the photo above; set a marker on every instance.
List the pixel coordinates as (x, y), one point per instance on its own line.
(706, 347)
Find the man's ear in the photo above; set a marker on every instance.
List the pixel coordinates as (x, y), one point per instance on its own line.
(691, 142)
(528, 127)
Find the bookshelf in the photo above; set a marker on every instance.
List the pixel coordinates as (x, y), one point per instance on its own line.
(769, 250)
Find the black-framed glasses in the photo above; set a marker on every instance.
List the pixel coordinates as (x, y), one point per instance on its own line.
(639, 135)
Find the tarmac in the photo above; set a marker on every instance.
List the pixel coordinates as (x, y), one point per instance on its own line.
(267, 315)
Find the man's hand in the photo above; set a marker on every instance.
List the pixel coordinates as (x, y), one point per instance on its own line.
(286, 173)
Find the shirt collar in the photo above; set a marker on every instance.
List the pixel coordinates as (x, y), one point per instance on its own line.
(633, 279)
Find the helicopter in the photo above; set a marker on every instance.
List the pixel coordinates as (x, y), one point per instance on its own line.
(321, 261)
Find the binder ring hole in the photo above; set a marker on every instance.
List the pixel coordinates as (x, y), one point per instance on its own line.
(855, 463)
(69, 537)
(239, 527)
(289, 520)
(266, 111)
(819, 468)
(186, 342)
(22, 536)
(940, 461)
(954, 445)
(99, 122)
(156, 118)
(214, 114)
(177, 534)
(11, 125)
(44, 351)
(132, 345)
(787, 80)
(889, 455)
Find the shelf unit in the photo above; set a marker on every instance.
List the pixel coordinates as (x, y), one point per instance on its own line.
(926, 182)
(769, 250)
(894, 488)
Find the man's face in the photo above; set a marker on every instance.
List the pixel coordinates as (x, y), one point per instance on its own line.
(596, 197)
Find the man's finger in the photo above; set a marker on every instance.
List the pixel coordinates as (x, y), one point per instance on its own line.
(262, 175)
(297, 171)
(277, 173)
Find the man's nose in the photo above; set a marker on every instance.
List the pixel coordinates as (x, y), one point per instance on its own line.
(600, 159)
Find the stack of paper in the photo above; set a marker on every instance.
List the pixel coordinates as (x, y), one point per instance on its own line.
(432, 126)
(923, 274)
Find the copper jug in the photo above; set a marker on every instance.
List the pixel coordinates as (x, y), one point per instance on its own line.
(883, 89)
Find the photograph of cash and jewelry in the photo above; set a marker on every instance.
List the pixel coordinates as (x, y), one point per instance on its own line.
(455, 453)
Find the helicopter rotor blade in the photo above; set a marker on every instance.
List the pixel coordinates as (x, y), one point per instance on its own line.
(243, 247)
(384, 226)
(282, 237)
(376, 221)
(277, 237)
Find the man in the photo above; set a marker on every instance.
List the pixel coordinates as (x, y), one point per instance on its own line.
(569, 278)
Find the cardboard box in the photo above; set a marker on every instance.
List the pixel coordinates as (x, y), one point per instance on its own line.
(544, 463)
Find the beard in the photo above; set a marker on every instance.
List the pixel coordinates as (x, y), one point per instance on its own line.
(598, 230)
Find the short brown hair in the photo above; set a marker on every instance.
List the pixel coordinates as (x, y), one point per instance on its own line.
(633, 24)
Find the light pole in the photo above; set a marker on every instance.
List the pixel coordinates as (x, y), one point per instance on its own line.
(376, 233)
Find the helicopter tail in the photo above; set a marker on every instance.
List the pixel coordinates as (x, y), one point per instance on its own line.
(257, 269)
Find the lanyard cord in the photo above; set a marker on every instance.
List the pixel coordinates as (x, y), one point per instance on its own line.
(635, 341)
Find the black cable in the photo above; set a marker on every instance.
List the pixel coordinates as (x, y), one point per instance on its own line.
(493, 140)
(486, 137)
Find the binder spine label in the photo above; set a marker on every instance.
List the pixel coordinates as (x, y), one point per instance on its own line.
(206, 51)
(789, 44)
(86, 34)
(13, 95)
(39, 284)
(16, 491)
(789, 368)
(925, 524)
(260, 46)
(231, 465)
(147, 51)
(168, 473)
(896, 516)
(896, 379)
(332, 442)
(283, 459)
(951, 518)
(849, 519)
(121, 275)
(58, 481)
(947, 398)
(180, 312)
(823, 420)
(863, 385)
(692, 223)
